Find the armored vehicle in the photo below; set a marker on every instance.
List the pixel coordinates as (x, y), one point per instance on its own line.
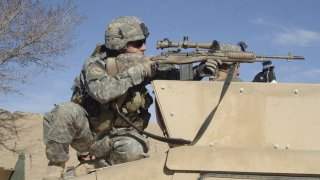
(237, 130)
(257, 131)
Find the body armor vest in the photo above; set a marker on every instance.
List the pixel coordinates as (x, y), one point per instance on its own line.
(133, 104)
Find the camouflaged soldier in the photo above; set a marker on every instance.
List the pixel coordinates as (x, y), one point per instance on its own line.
(224, 67)
(89, 123)
(222, 73)
(267, 74)
(114, 76)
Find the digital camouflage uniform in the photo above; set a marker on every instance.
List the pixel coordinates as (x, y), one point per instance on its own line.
(87, 126)
(90, 123)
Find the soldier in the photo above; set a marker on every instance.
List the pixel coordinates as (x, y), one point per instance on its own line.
(221, 69)
(222, 73)
(113, 77)
(267, 74)
(224, 67)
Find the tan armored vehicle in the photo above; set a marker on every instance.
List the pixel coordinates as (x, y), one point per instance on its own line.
(243, 130)
(257, 131)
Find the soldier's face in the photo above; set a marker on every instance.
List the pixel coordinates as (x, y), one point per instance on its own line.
(136, 47)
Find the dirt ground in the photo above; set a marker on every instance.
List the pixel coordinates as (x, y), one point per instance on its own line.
(22, 132)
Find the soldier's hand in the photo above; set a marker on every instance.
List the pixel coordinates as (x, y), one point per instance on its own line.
(212, 65)
(158, 59)
(149, 67)
(208, 68)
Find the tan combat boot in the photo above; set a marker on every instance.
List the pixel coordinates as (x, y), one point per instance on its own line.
(54, 171)
(83, 169)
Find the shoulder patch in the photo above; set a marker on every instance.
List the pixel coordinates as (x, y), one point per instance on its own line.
(96, 71)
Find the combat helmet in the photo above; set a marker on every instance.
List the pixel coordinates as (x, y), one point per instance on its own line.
(125, 29)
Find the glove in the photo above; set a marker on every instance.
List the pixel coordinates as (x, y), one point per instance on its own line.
(149, 68)
(212, 65)
(208, 68)
(158, 59)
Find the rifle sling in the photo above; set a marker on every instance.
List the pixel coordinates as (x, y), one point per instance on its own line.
(204, 126)
(209, 118)
(177, 141)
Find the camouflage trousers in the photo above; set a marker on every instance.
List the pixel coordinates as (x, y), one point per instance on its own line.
(67, 124)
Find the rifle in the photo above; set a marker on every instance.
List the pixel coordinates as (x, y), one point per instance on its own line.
(211, 50)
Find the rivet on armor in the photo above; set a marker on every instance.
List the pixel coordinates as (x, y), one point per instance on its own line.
(172, 114)
(276, 146)
(287, 146)
(210, 144)
(241, 90)
(296, 91)
(162, 87)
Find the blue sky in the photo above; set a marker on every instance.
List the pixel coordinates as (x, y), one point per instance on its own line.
(272, 27)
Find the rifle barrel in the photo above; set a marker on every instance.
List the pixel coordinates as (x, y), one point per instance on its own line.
(282, 57)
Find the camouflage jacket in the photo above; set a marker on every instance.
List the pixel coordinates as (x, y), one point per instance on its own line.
(98, 90)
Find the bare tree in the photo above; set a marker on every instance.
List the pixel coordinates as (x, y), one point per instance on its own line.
(8, 129)
(33, 34)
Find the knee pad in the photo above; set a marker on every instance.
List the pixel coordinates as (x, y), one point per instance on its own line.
(57, 152)
(128, 148)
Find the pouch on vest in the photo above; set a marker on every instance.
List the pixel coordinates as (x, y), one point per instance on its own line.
(103, 123)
